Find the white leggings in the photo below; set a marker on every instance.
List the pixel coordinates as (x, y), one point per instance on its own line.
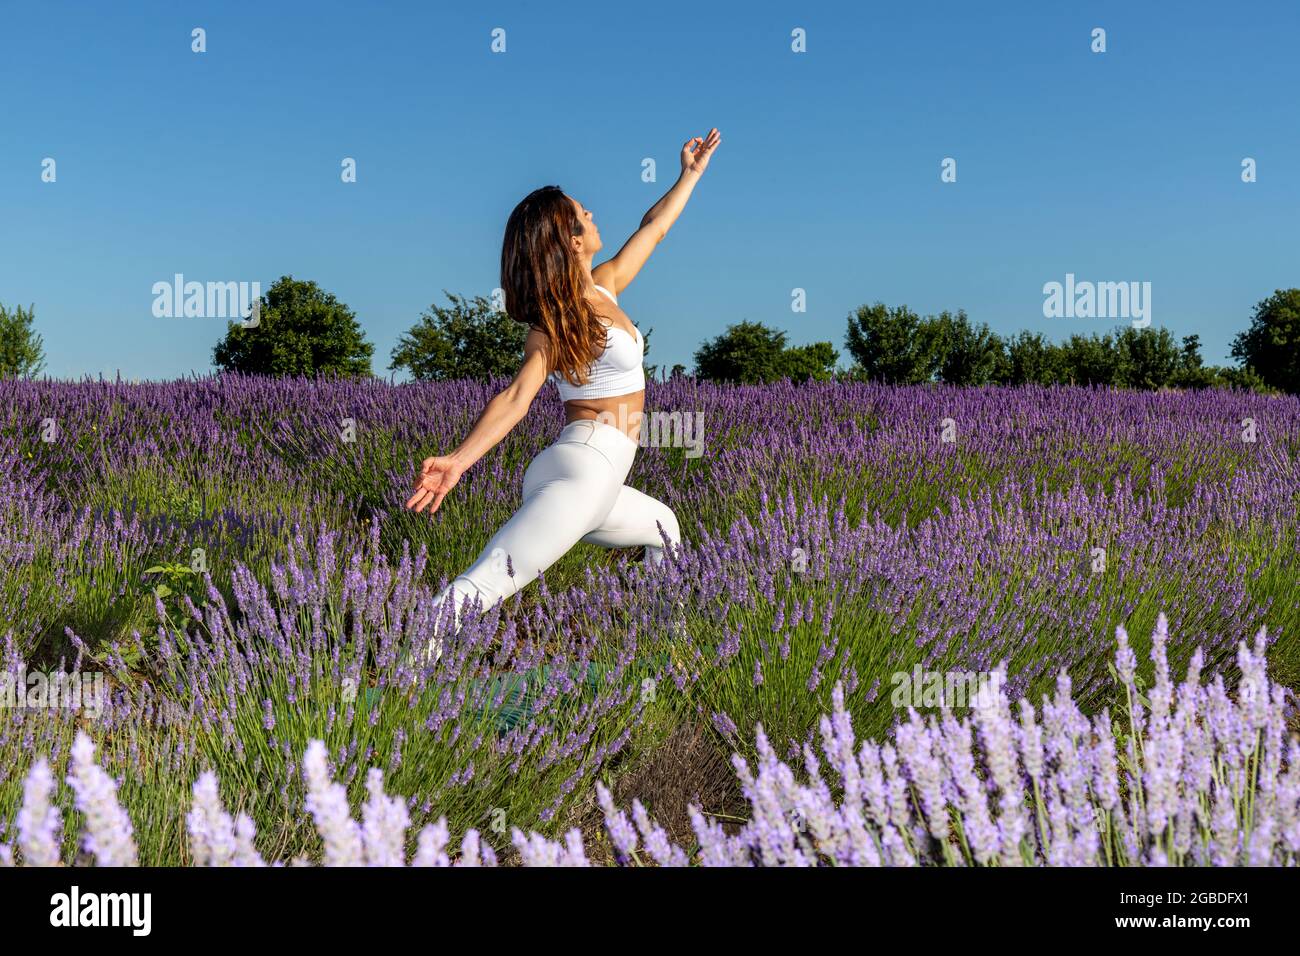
(573, 491)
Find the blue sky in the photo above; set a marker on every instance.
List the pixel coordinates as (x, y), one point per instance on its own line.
(225, 166)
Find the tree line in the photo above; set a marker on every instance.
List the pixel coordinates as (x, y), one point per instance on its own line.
(304, 330)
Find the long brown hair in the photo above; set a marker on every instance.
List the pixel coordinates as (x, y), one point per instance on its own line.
(544, 285)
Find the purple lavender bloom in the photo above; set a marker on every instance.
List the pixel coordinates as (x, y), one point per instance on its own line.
(40, 825)
(384, 823)
(212, 831)
(108, 834)
(327, 802)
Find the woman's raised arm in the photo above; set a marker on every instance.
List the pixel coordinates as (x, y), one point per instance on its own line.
(439, 475)
(659, 218)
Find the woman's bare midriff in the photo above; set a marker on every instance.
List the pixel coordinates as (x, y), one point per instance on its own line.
(622, 411)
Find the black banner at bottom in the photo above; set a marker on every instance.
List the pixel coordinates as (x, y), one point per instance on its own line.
(337, 906)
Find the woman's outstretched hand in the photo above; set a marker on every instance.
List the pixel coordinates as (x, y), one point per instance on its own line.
(437, 477)
(696, 152)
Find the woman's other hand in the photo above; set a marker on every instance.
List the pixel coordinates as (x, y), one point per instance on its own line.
(437, 477)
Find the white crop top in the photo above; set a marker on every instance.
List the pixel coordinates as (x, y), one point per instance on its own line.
(616, 371)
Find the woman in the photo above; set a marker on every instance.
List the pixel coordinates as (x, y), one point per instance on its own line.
(581, 339)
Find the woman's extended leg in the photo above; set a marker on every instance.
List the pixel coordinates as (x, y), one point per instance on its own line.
(634, 520)
(568, 490)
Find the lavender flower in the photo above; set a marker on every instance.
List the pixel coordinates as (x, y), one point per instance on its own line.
(108, 834)
(212, 831)
(40, 825)
(327, 802)
(385, 820)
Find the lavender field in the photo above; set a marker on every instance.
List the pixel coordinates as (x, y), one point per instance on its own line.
(229, 560)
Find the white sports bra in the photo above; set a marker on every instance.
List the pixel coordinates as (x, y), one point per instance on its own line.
(616, 371)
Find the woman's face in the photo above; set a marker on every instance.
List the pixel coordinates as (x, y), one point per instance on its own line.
(588, 244)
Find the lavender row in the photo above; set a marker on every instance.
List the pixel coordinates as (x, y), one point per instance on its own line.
(1188, 776)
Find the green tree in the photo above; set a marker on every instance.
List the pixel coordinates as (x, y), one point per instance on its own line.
(752, 353)
(801, 363)
(969, 354)
(468, 339)
(1243, 377)
(22, 350)
(894, 345)
(1090, 360)
(1192, 372)
(302, 330)
(747, 352)
(1032, 360)
(1146, 358)
(1271, 345)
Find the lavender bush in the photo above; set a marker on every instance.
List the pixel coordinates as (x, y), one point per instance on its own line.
(1190, 776)
(243, 573)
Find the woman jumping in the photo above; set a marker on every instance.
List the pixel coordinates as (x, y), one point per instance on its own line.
(579, 337)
